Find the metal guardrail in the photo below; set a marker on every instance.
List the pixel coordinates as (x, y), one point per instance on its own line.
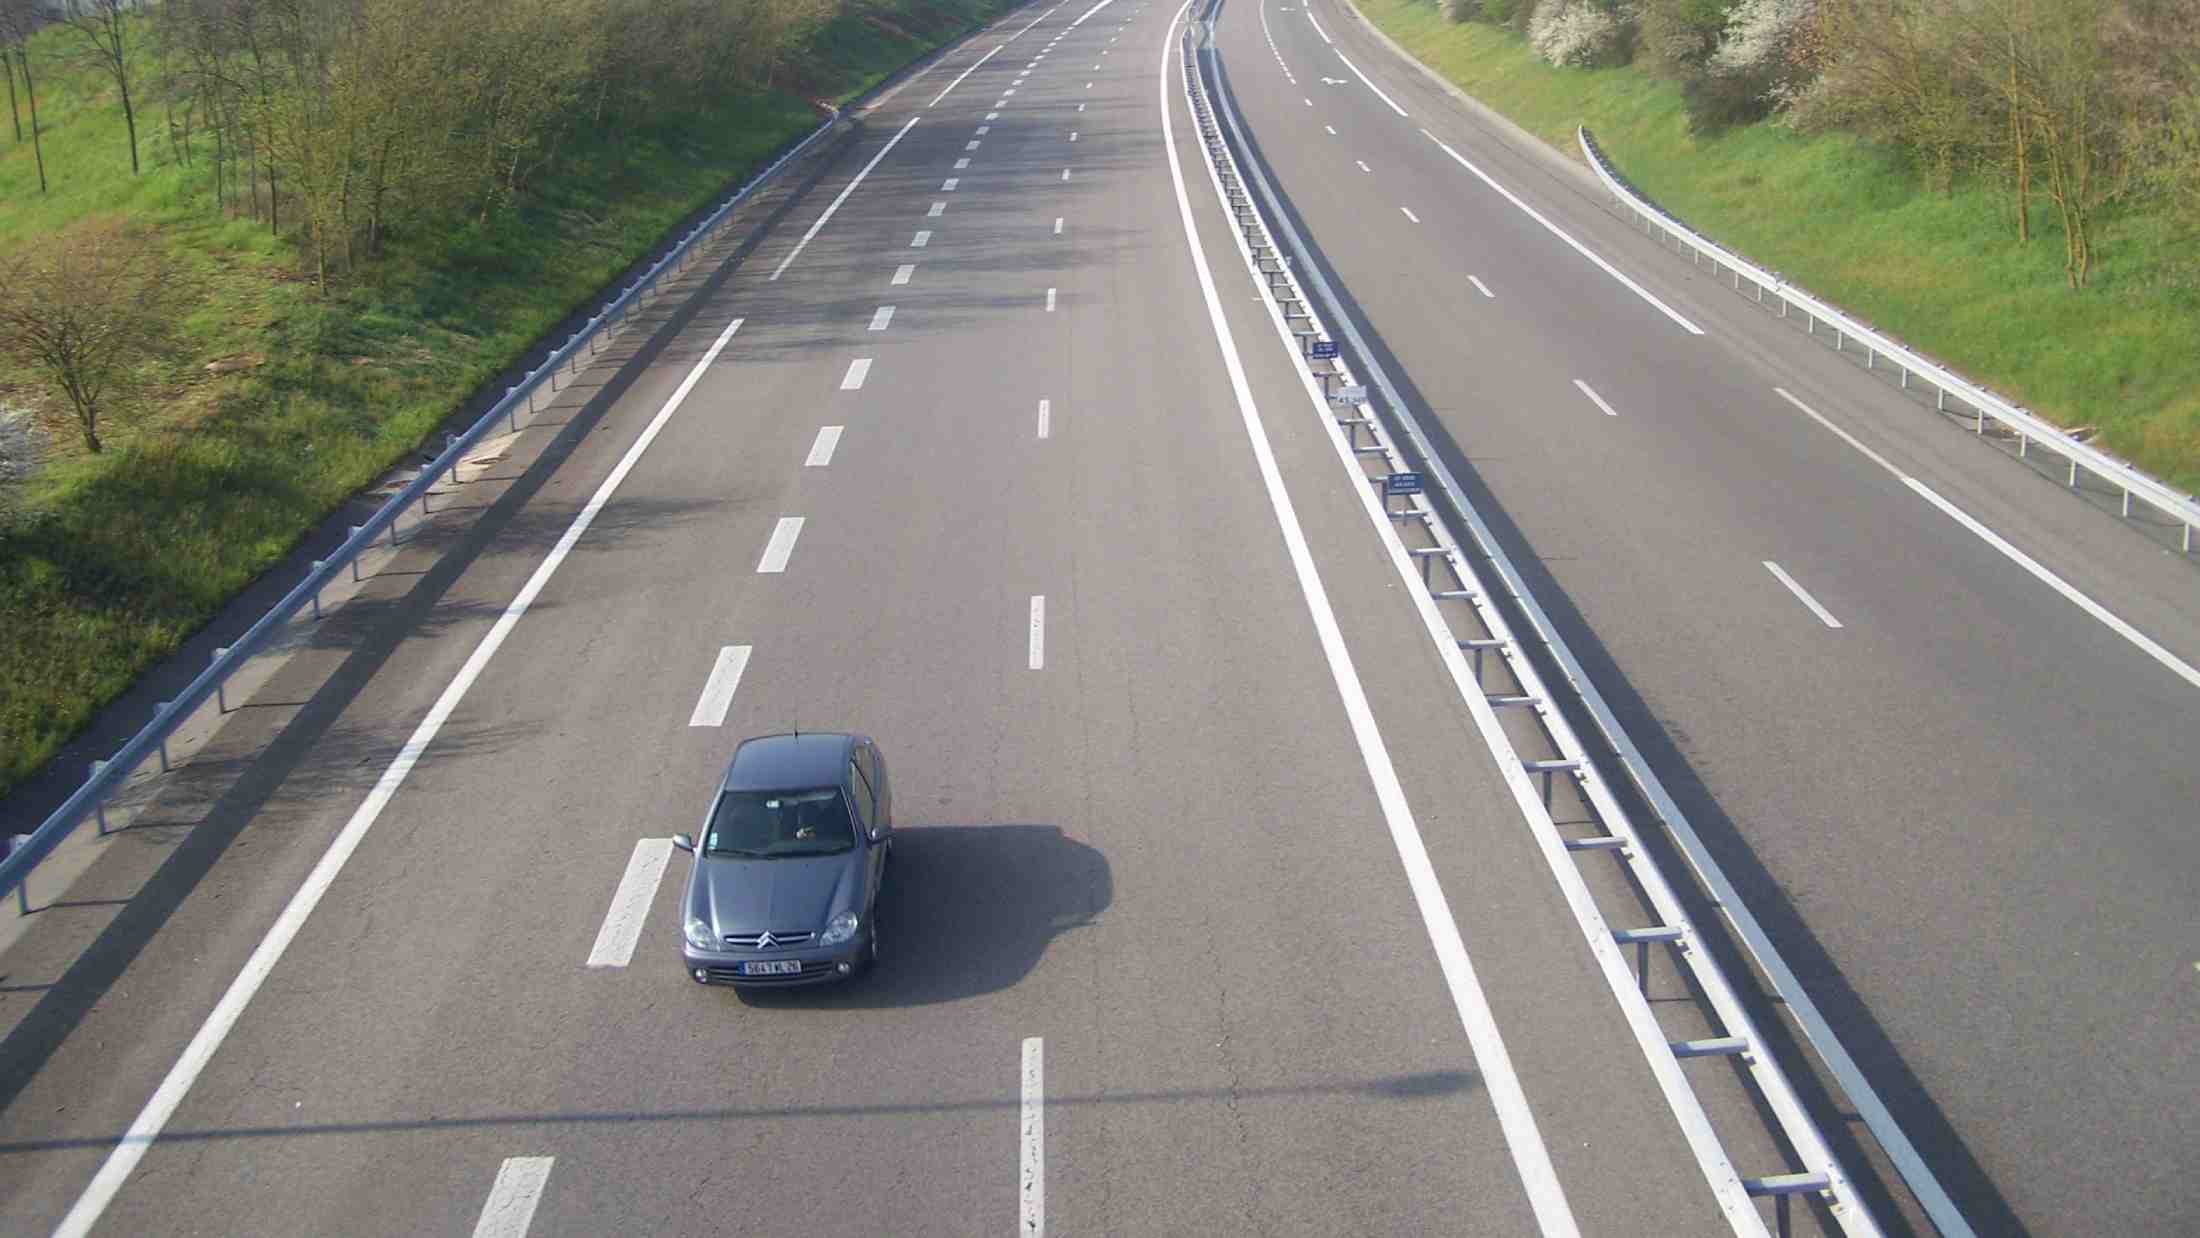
(107, 776)
(2028, 429)
(1289, 273)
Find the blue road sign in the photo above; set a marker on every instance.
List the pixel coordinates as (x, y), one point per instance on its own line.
(1324, 349)
(1402, 483)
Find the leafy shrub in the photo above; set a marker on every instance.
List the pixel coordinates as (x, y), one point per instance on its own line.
(1579, 33)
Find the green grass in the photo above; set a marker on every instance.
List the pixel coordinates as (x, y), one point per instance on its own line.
(115, 559)
(1851, 222)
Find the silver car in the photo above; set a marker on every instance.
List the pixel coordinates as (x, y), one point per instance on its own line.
(786, 878)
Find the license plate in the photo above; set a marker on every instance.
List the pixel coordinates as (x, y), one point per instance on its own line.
(774, 967)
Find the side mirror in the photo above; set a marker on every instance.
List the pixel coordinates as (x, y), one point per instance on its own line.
(880, 834)
(683, 842)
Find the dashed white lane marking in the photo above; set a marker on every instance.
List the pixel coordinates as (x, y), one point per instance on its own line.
(1307, 102)
(1370, 85)
(1481, 287)
(1065, 174)
(1046, 415)
(1595, 398)
(1057, 225)
(1050, 300)
(510, 1208)
(881, 316)
(1516, 1119)
(1031, 1174)
(781, 546)
(821, 451)
(962, 163)
(1560, 233)
(1409, 214)
(1038, 630)
(920, 240)
(1073, 135)
(622, 925)
(1318, 29)
(948, 185)
(984, 129)
(1088, 85)
(1080, 107)
(966, 73)
(992, 115)
(802, 244)
(1803, 595)
(903, 272)
(1332, 130)
(1363, 165)
(151, 1120)
(718, 690)
(1010, 91)
(858, 370)
(972, 144)
(938, 209)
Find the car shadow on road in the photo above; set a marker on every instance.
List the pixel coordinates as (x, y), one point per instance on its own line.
(966, 910)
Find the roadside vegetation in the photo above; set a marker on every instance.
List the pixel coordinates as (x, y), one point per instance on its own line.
(2012, 186)
(252, 252)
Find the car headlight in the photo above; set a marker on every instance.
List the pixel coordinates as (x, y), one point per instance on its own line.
(839, 929)
(699, 934)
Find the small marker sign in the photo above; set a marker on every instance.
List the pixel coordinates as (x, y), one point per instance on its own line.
(1402, 483)
(1324, 350)
(1348, 395)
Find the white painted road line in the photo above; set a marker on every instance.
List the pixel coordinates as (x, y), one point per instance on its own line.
(1038, 630)
(1073, 135)
(881, 316)
(1332, 130)
(724, 681)
(972, 144)
(2146, 644)
(630, 905)
(1481, 287)
(966, 73)
(821, 451)
(1318, 29)
(1046, 413)
(1370, 85)
(858, 370)
(984, 129)
(992, 115)
(1057, 225)
(1031, 1173)
(136, 1142)
(781, 546)
(1050, 300)
(1516, 1119)
(513, 1196)
(938, 209)
(1363, 165)
(962, 163)
(1065, 174)
(920, 240)
(1561, 234)
(948, 185)
(851, 188)
(1080, 107)
(1803, 595)
(1410, 215)
(903, 272)
(1595, 398)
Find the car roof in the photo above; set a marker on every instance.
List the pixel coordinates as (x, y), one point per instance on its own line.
(787, 762)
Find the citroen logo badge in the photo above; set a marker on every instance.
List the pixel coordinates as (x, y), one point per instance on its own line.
(765, 941)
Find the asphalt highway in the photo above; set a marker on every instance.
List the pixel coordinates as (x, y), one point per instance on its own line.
(1964, 805)
(1177, 770)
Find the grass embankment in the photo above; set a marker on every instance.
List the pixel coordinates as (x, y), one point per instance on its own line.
(1851, 222)
(114, 559)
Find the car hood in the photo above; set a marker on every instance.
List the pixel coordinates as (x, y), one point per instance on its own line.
(793, 894)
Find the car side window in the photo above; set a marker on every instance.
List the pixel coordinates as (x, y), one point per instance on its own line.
(859, 790)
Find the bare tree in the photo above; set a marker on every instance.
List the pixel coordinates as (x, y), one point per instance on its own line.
(18, 21)
(88, 311)
(106, 29)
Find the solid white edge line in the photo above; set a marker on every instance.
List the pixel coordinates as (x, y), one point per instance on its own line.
(1046, 417)
(821, 451)
(1561, 234)
(1481, 287)
(967, 72)
(630, 904)
(802, 244)
(1318, 29)
(1031, 1170)
(1038, 631)
(858, 370)
(1370, 85)
(1594, 398)
(719, 687)
(781, 546)
(2178, 666)
(513, 1197)
(1515, 1118)
(1801, 594)
(150, 1121)
(1087, 13)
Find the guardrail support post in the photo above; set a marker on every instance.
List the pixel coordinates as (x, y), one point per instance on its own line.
(2127, 502)
(2188, 539)
(23, 895)
(355, 558)
(2073, 472)
(99, 809)
(318, 564)
(161, 707)
(221, 690)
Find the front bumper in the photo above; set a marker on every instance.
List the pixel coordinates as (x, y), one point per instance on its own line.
(820, 964)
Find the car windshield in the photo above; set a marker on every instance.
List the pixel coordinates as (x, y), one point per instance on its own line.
(771, 824)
